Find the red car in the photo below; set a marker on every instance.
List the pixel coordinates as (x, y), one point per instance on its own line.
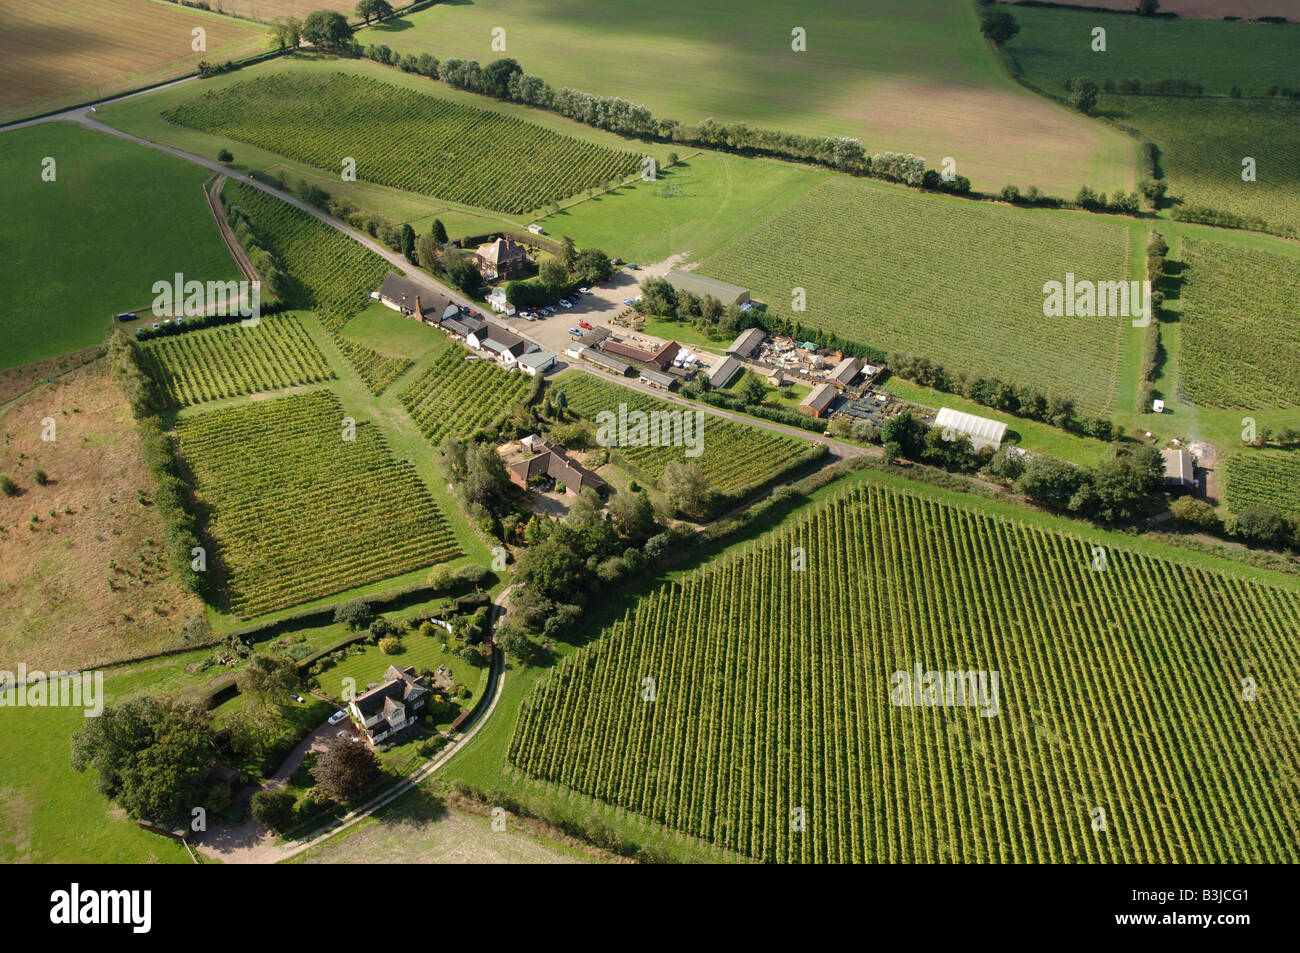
(584, 325)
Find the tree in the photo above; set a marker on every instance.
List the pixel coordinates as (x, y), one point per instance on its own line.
(150, 755)
(389, 645)
(379, 9)
(356, 615)
(463, 273)
(1260, 524)
(346, 770)
(999, 26)
(1147, 8)
(439, 232)
(1049, 481)
(1007, 463)
(752, 390)
(553, 272)
(1083, 95)
(225, 155)
(686, 487)
(7, 486)
(1194, 512)
(326, 29)
(426, 252)
(591, 266)
(633, 514)
(274, 809)
(286, 33)
(568, 254)
(267, 680)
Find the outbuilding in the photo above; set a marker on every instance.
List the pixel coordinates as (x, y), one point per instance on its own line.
(982, 431)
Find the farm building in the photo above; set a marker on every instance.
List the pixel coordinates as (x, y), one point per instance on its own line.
(554, 462)
(407, 298)
(725, 372)
(819, 402)
(625, 351)
(500, 259)
(610, 363)
(747, 344)
(845, 372)
(707, 287)
(658, 379)
(574, 351)
(982, 431)
(593, 337)
(536, 362)
(498, 340)
(463, 326)
(1180, 469)
(664, 357)
(393, 706)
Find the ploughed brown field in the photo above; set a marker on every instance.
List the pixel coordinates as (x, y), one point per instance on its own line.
(54, 55)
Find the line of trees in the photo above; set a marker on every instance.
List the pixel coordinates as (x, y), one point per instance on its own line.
(1157, 250)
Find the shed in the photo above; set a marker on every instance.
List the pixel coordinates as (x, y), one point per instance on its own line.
(610, 363)
(845, 372)
(1180, 468)
(725, 372)
(707, 287)
(747, 344)
(658, 379)
(536, 361)
(819, 402)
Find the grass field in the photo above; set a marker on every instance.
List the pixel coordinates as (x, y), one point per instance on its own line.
(1203, 141)
(773, 692)
(695, 207)
(474, 156)
(1240, 340)
(297, 510)
(232, 360)
(958, 281)
(86, 581)
(1264, 477)
(58, 55)
(456, 396)
(1055, 45)
(901, 75)
(735, 458)
(99, 228)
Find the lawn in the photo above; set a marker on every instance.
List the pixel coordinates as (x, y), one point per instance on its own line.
(60, 54)
(1203, 141)
(957, 281)
(1055, 45)
(384, 330)
(901, 75)
(101, 232)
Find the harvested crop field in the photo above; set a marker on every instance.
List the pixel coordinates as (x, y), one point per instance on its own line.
(60, 54)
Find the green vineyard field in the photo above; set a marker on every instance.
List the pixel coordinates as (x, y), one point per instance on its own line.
(1240, 338)
(376, 370)
(336, 273)
(407, 140)
(297, 512)
(454, 396)
(736, 457)
(229, 361)
(772, 693)
(959, 282)
(1264, 477)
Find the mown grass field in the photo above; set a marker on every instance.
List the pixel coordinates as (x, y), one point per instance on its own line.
(232, 360)
(1260, 476)
(1055, 45)
(407, 140)
(901, 75)
(456, 396)
(1203, 141)
(1240, 339)
(734, 457)
(61, 54)
(105, 196)
(958, 281)
(773, 693)
(297, 510)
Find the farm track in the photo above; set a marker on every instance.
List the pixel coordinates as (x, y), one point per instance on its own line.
(212, 193)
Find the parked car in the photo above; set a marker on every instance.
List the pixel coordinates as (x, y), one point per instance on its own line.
(634, 266)
(628, 302)
(566, 302)
(296, 697)
(584, 324)
(338, 716)
(584, 291)
(345, 735)
(126, 316)
(549, 310)
(155, 325)
(575, 332)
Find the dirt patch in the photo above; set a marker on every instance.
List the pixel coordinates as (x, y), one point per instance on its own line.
(15, 826)
(83, 576)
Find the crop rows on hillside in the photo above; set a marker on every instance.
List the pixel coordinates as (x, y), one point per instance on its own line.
(1264, 477)
(229, 361)
(735, 457)
(407, 140)
(376, 370)
(1240, 336)
(297, 511)
(772, 696)
(959, 282)
(456, 395)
